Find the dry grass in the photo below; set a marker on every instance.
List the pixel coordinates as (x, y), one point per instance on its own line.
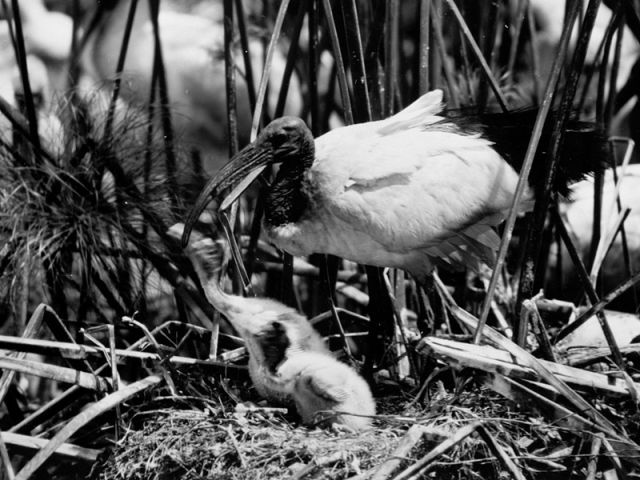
(223, 440)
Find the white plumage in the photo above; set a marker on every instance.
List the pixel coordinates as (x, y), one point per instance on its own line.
(396, 192)
(327, 392)
(409, 191)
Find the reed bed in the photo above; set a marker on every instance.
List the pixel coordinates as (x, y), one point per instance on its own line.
(159, 387)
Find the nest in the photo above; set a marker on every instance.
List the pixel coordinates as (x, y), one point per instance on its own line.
(226, 441)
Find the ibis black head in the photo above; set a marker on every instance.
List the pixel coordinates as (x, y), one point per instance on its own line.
(285, 140)
(289, 138)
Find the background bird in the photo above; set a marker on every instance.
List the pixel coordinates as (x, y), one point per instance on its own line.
(411, 191)
(50, 127)
(272, 331)
(577, 212)
(327, 392)
(47, 35)
(193, 55)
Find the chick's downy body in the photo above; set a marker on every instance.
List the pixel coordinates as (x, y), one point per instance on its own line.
(326, 391)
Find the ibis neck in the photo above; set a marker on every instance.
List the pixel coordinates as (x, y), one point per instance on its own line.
(220, 300)
(287, 199)
(231, 306)
(208, 273)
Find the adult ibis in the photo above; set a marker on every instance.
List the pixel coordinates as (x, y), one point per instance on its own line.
(410, 191)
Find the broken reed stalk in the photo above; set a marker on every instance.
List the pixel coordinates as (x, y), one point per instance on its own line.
(6, 459)
(71, 395)
(523, 179)
(31, 328)
(598, 307)
(421, 466)
(408, 442)
(66, 450)
(499, 452)
(80, 420)
(489, 359)
(471, 323)
(520, 393)
(60, 331)
(57, 373)
(52, 408)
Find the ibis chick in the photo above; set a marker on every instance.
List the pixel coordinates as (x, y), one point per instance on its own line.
(271, 330)
(326, 391)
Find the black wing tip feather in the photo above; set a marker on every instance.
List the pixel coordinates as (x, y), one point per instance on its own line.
(584, 151)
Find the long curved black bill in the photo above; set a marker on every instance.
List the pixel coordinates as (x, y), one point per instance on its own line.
(236, 175)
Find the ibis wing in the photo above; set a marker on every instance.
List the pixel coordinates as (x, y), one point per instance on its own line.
(416, 189)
